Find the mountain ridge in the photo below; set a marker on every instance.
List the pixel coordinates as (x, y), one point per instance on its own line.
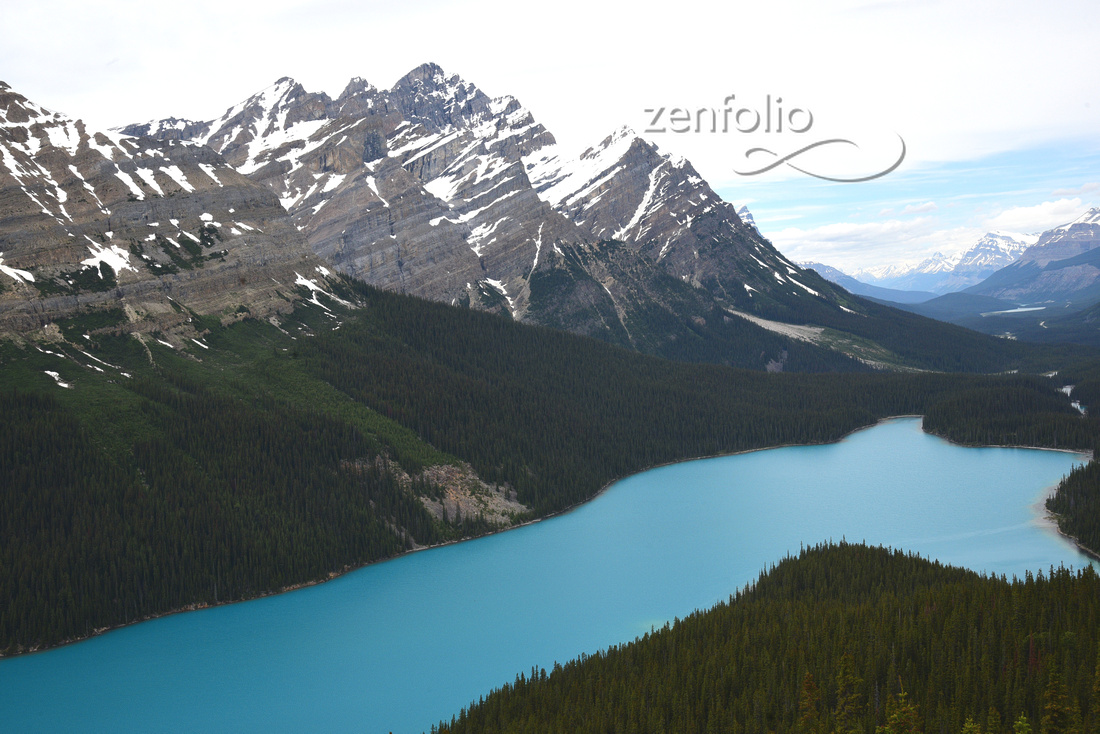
(435, 189)
(96, 218)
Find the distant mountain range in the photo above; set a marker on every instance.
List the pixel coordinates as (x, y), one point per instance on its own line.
(949, 273)
(864, 289)
(1063, 265)
(1049, 292)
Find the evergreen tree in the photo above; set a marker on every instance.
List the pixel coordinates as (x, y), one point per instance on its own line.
(848, 712)
(971, 727)
(1057, 717)
(993, 721)
(1093, 719)
(902, 717)
(809, 707)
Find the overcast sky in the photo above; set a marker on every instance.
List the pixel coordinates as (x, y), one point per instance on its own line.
(997, 104)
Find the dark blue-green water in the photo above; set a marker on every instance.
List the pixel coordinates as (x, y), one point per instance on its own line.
(402, 644)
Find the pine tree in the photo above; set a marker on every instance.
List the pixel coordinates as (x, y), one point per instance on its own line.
(1057, 717)
(902, 717)
(846, 715)
(1093, 721)
(971, 727)
(993, 721)
(809, 707)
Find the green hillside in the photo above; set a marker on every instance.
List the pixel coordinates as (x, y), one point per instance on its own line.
(841, 639)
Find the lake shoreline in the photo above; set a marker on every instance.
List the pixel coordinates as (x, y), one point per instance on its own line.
(198, 606)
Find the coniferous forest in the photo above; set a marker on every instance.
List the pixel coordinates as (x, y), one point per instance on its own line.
(843, 638)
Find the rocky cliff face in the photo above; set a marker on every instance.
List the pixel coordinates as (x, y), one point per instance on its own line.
(158, 226)
(436, 189)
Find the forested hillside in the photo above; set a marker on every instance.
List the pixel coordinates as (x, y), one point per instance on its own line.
(138, 476)
(841, 639)
(1076, 505)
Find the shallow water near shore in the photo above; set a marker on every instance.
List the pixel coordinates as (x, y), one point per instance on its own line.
(399, 645)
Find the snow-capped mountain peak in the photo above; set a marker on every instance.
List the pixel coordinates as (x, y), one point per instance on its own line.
(995, 250)
(1092, 216)
(746, 217)
(428, 96)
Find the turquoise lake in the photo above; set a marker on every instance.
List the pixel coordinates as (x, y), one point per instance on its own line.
(399, 645)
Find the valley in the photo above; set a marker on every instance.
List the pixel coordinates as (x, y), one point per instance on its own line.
(247, 354)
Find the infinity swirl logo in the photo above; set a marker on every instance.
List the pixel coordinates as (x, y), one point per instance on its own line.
(779, 160)
(773, 119)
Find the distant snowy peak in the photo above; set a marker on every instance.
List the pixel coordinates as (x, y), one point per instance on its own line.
(1068, 240)
(938, 263)
(994, 251)
(171, 128)
(885, 272)
(1092, 216)
(1059, 266)
(746, 217)
(942, 273)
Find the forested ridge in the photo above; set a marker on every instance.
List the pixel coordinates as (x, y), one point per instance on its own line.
(844, 638)
(560, 416)
(1076, 504)
(267, 456)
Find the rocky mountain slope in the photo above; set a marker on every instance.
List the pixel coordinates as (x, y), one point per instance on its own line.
(164, 229)
(435, 189)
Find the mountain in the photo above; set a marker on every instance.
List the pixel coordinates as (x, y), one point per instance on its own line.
(161, 229)
(435, 189)
(430, 188)
(950, 273)
(747, 218)
(833, 275)
(1046, 295)
(1062, 266)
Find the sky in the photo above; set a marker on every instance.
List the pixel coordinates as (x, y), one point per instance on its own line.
(953, 118)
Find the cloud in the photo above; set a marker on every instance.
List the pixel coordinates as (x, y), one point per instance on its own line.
(928, 206)
(1037, 218)
(1083, 189)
